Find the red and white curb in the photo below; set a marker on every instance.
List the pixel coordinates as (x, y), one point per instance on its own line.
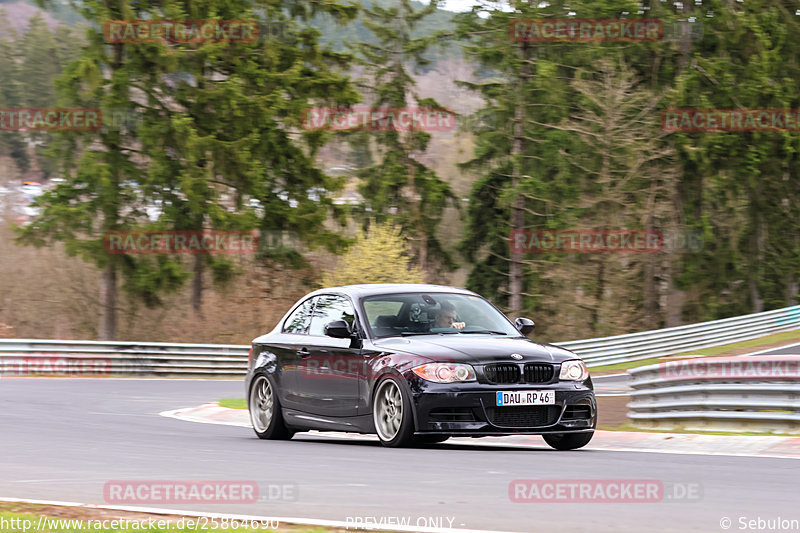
(339, 524)
(617, 441)
(211, 413)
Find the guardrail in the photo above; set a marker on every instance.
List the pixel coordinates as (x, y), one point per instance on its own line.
(227, 360)
(719, 393)
(33, 356)
(669, 341)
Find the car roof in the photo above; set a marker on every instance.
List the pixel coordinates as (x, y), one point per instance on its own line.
(373, 289)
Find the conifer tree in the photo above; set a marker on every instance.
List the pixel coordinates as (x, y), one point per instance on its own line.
(399, 186)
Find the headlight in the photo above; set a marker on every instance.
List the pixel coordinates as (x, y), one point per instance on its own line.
(573, 370)
(445, 372)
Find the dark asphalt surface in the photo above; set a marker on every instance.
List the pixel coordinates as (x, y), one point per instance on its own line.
(63, 439)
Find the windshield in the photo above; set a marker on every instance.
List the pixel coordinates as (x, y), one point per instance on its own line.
(417, 313)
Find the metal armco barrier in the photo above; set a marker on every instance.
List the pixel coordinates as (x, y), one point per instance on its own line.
(33, 356)
(43, 357)
(718, 393)
(669, 341)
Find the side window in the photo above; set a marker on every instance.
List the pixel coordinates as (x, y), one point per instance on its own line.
(328, 309)
(298, 321)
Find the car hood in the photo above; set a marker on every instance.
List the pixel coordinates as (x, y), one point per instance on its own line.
(475, 349)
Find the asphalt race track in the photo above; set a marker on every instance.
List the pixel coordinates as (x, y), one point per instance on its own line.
(63, 439)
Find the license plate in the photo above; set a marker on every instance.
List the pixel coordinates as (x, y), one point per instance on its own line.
(528, 397)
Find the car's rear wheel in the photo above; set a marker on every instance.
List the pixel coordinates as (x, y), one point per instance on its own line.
(568, 441)
(265, 410)
(391, 412)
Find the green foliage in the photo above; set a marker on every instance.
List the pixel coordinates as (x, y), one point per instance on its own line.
(568, 137)
(38, 69)
(379, 255)
(738, 189)
(517, 153)
(341, 38)
(399, 187)
(741, 188)
(211, 135)
(227, 135)
(31, 59)
(11, 90)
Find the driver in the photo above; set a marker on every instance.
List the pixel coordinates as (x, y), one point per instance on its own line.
(446, 317)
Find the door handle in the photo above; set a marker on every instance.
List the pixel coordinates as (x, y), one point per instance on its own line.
(303, 352)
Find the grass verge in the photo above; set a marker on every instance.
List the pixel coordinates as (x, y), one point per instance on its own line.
(233, 403)
(37, 518)
(631, 428)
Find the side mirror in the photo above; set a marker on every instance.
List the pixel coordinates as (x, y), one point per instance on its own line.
(524, 325)
(338, 329)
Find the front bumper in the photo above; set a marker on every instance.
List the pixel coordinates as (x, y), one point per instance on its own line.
(470, 409)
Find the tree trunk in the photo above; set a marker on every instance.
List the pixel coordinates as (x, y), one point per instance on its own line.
(657, 273)
(108, 298)
(650, 294)
(664, 283)
(517, 214)
(675, 307)
(650, 304)
(422, 236)
(197, 285)
(791, 290)
(685, 37)
(598, 296)
(755, 296)
(791, 283)
(757, 257)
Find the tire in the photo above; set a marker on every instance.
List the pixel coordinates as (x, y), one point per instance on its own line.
(568, 441)
(265, 410)
(430, 439)
(391, 414)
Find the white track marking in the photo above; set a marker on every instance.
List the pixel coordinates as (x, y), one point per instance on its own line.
(241, 517)
(679, 443)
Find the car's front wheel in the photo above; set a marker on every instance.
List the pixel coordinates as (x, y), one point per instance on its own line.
(391, 412)
(265, 410)
(568, 441)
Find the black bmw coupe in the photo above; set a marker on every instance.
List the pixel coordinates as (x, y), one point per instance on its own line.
(414, 364)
